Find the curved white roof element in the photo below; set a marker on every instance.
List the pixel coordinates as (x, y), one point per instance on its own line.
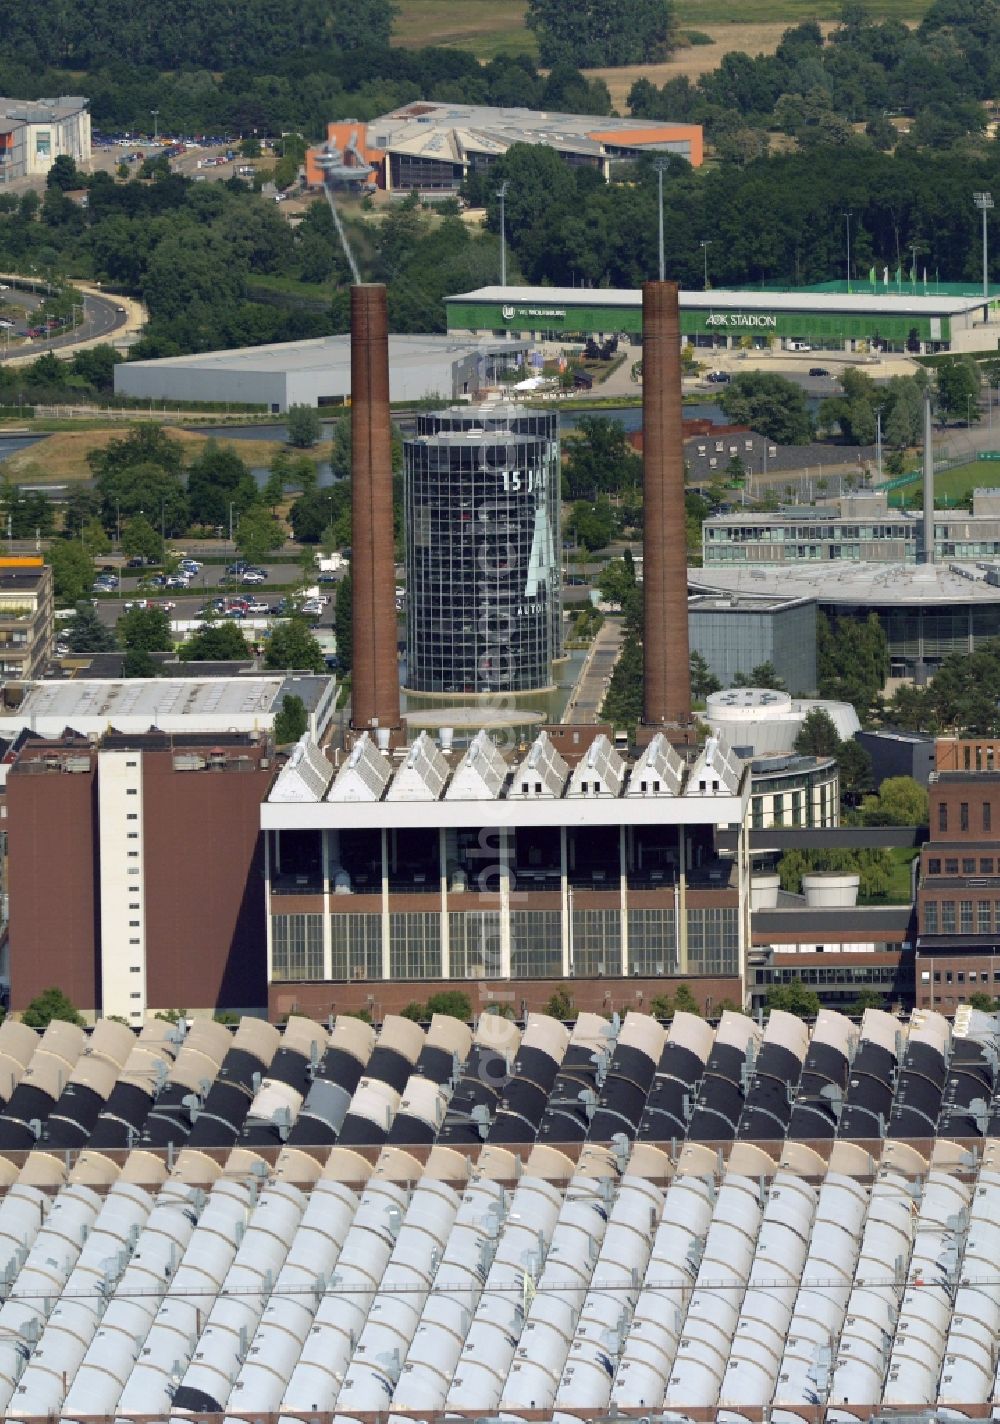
(480, 774)
(396, 1310)
(837, 1030)
(824, 1290)
(967, 1368)
(547, 1035)
(17, 1043)
(423, 775)
(482, 1217)
(925, 1312)
(600, 772)
(542, 775)
(344, 1305)
(61, 1347)
(604, 1321)
(863, 1356)
(116, 1333)
(787, 1031)
(884, 1029)
(364, 775)
(235, 1315)
(761, 1330)
(718, 771)
(659, 770)
(737, 1031)
(649, 1351)
(305, 776)
(718, 1294)
(289, 1313)
(175, 1331)
(424, 1100)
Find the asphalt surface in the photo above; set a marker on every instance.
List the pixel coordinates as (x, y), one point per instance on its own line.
(211, 581)
(591, 687)
(101, 317)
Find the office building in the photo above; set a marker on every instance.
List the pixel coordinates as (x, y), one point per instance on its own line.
(482, 502)
(737, 634)
(35, 132)
(431, 148)
(135, 872)
(26, 618)
(794, 791)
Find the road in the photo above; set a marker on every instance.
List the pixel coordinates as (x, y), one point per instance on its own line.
(102, 316)
(210, 579)
(588, 695)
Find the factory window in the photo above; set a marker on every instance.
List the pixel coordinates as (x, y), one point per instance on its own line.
(930, 917)
(357, 946)
(987, 816)
(135, 969)
(951, 865)
(947, 917)
(415, 944)
(535, 944)
(986, 865)
(136, 994)
(474, 944)
(131, 791)
(596, 946)
(132, 816)
(965, 916)
(963, 816)
(132, 835)
(934, 866)
(133, 924)
(942, 816)
(652, 942)
(297, 947)
(713, 940)
(135, 941)
(968, 865)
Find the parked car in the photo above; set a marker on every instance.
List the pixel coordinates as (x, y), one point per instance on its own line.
(253, 576)
(719, 378)
(136, 562)
(176, 581)
(818, 371)
(256, 605)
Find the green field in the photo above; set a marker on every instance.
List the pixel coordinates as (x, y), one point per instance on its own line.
(954, 486)
(488, 27)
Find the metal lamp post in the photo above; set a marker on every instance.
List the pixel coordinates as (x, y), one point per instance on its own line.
(502, 195)
(847, 221)
(705, 244)
(984, 202)
(156, 124)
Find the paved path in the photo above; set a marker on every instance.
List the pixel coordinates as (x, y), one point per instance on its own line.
(588, 695)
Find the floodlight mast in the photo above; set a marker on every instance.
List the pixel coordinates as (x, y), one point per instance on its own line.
(984, 202)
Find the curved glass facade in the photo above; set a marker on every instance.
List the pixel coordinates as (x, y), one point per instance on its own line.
(482, 545)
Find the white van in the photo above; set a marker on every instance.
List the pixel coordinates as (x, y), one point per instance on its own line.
(797, 346)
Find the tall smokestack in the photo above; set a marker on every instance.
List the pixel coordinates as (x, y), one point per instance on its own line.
(928, 480)
(667, 679)
(375, 675)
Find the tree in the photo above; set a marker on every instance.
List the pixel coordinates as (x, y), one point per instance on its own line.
(145, 629)
(72, 570)
(214, 643)
(584, 33)
(794, 998)
(867, 999)
(703, 680)
(304, 428)
(763, 675)
(561, 1006)
(312, 514)
(901, 801)
(452, 1003)
(290, 721)
(86, 633)
(599, 458)
(685, 1001)
(217, 480)
(292, 646)
(984, 1002)
(95, 539)
(259, 534)
(852, 661)
(50, 1004)
(855, 770)
(137, 662)
(592, 525)
(344, 625)
(818, 735)
(63, 175)
(958, 385)
(141, 540)
(769, 404)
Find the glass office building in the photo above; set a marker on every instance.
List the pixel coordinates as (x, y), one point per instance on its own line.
(482, 543)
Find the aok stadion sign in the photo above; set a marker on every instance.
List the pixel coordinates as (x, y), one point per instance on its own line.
(741, 319)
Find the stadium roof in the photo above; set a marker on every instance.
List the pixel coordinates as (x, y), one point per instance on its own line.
(888, 304)
(842, 581)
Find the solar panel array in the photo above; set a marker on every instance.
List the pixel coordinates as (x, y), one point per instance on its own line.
(573, 1220)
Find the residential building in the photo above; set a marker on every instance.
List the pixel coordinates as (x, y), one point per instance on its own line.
(26, 617)
(134, 868)
(35, 132)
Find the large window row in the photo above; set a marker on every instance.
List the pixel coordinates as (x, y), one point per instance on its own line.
(297, 946)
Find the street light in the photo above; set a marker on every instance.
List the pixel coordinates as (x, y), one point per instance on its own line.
(660, 165)
(156, 124)
(847, 220)
(984, 202)
(502, 195)
(705, 244)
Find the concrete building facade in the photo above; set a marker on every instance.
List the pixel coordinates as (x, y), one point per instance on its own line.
(737, 634)
(26, 617)
(34, 133)
(135, 872)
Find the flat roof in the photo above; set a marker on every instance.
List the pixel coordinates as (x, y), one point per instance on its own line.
(320, 353)
(827, 303)
(742, 603)
(152, 697)
(845, 582)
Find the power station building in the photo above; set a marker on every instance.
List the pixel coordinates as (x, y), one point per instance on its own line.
(482, 497)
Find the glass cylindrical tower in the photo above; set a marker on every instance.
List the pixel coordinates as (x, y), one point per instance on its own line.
(483, 578)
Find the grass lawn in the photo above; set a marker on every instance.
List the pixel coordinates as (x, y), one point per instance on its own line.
(951, 487)
(62, 457)
(900, 878)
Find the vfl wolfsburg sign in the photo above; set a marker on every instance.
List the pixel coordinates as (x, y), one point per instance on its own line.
(740, 319)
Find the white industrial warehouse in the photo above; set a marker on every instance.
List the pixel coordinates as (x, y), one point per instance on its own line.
(318, 372)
